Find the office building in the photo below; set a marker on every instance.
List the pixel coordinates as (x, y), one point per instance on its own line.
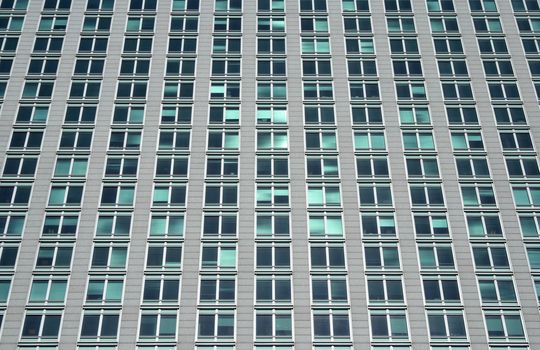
(269, 174)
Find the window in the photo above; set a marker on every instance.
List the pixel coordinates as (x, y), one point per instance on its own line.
(273, 325)
(328, 289)
(481, 225)
(275, 225)
(325, 226)
(325, 195)
(361, 68)
(400, 25)
(316, 46)
(121, 166)
(385, 290)
(267, 45)
(220, 257)
(177, 140)
(355, 5)
(272, 115)
(418, 141)
(220, 167)
(522, 167)
(218, 289)
(356, 24)
(313, 6)
(372, 167)
(526, 196)
(525, 6)
(478, 196)
(397, 5)
(221, 195)
(448, 46)
(41, 325)
(174, 114)
(533, 253)
(216, 325)
(221, 90)
(5, 286)
(500, 68)
(100, 5)
(273, 257)
(41, 45)
(468, 141)
(228, 5)
(63, 225)
(446, 325)
(164, 256)
(80, 114)
(441, 290)
(85, 90)
(99, 325)
(362, 46)
(14, 5)
(529, 224)
(411, 91)
(125, 140)
(271, 90)
(461, 116)
(35, 67)
(364, 91)
(144, 24)
(96, 23)
(331, 325)
(158, 325)
(490, 257)
(222, 67)
(186, 67)
(272, 195)
(161, 290)
(388, 325)
(176, 45)
(273, 289)
(457, 91)
(315, 68)
(375, 195)
(272, 166)
(271, 24)
(163, 225)
(426, 195)
(483, 5)
(32, 114)
(370, 140)
(47, 291)
(443, 25)
(53, 257)
(11, 224)
(17, 166)
(75, 139)
(366, 115)
(179, 90)
(15, 195)
(378, 225)
(318, 91)
(142, 5)
(321, 141)
(67, 195)
(270, 5)
(516, 141)
(8, 256)
(169, 195)
(440, 5)
(109, 257)
(497, 290)
(131, 67)
(431, 225)
(227, 24)
(504, 326)
(322, 167)
(436, 256)
(492, 46)
(223, 140)
(528, 25)
(422, 167)
(118, 195)
(382, 257)
(503, 91)
(407, 67)
(113, 225)
(37, 90)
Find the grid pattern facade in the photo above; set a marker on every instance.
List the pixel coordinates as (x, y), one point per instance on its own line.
(269, 174)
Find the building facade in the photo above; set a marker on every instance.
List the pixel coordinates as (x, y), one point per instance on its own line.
(269, 174)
